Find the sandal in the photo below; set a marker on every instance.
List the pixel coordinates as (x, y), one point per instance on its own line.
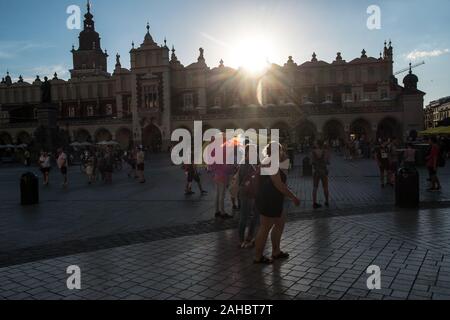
(263, 260)
(280, 256)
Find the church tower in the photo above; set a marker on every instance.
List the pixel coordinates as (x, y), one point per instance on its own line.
(89, 60)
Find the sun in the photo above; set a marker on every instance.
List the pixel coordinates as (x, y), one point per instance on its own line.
(252, 53)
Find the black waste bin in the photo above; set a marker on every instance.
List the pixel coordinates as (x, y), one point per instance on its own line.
(307, 167)
(407, 188)
(29, 189)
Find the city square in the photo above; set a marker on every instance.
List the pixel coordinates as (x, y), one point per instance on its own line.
(224, 151)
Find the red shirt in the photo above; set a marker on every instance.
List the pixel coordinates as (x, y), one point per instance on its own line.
(433, 157)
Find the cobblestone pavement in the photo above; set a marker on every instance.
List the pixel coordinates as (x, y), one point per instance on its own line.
(85, 212)
(149, 241)
(329, 258)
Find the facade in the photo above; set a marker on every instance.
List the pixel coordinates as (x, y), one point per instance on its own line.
(437, 112)
(143, 105)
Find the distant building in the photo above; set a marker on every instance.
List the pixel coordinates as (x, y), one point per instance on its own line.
(437, 113)
(143, 105)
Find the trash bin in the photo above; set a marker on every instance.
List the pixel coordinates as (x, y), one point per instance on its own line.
(29, 189)
(407, 189)
(307, 167)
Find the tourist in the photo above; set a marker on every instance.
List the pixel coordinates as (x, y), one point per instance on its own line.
(27, 156)
(393, 161)
(90, 168)
(234, 191)
(140, 164)
(272, 191)
(131, 159)
(382, 158)
(62, 165)
(192, 175)
(247, 182)
(108, 166)
(45, 167)
(221, 174)
(432, 165)
(409, 156)
(320, 161)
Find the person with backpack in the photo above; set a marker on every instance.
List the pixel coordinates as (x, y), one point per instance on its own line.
(247, 177)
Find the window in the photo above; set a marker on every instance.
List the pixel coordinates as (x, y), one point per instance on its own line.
(71, 112)
(151, 97)
(109, 110)
(188, 101)
(329, 98)
(384, 94)
(90, 111)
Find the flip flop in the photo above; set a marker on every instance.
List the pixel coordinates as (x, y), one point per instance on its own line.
(263, 260)
(280, 256)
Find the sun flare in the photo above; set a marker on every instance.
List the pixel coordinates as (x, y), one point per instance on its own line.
(252, 53)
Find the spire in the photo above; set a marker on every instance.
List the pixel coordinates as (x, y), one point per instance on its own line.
(20, 79)
(339, 56)
(410, 68)
(314, 57)
(148, 40)
(221, 63)
(173, 58)
(165, 42)
(55, 76)
(88, 18)
(363, 53)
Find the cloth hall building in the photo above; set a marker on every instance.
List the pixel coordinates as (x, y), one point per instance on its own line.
(158, 94)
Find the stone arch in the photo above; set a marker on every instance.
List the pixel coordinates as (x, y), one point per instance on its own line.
(5, 138)
(285, 130)
(24, 138)
(306, 132)
(124, 137)
(82, 135)
(361, 129)
(333, 129)
(152, 138)
(103, 134)
(389, 127)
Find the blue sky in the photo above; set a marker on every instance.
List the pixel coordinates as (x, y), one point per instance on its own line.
(34, 38)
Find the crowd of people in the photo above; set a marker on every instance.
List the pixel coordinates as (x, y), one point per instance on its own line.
(259, 200)
(97, 164)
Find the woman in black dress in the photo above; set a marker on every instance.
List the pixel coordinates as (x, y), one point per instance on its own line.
(272, 191)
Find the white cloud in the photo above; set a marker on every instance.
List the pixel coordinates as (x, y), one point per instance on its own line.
(12, 49)
(49, 70)
(416, 54)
